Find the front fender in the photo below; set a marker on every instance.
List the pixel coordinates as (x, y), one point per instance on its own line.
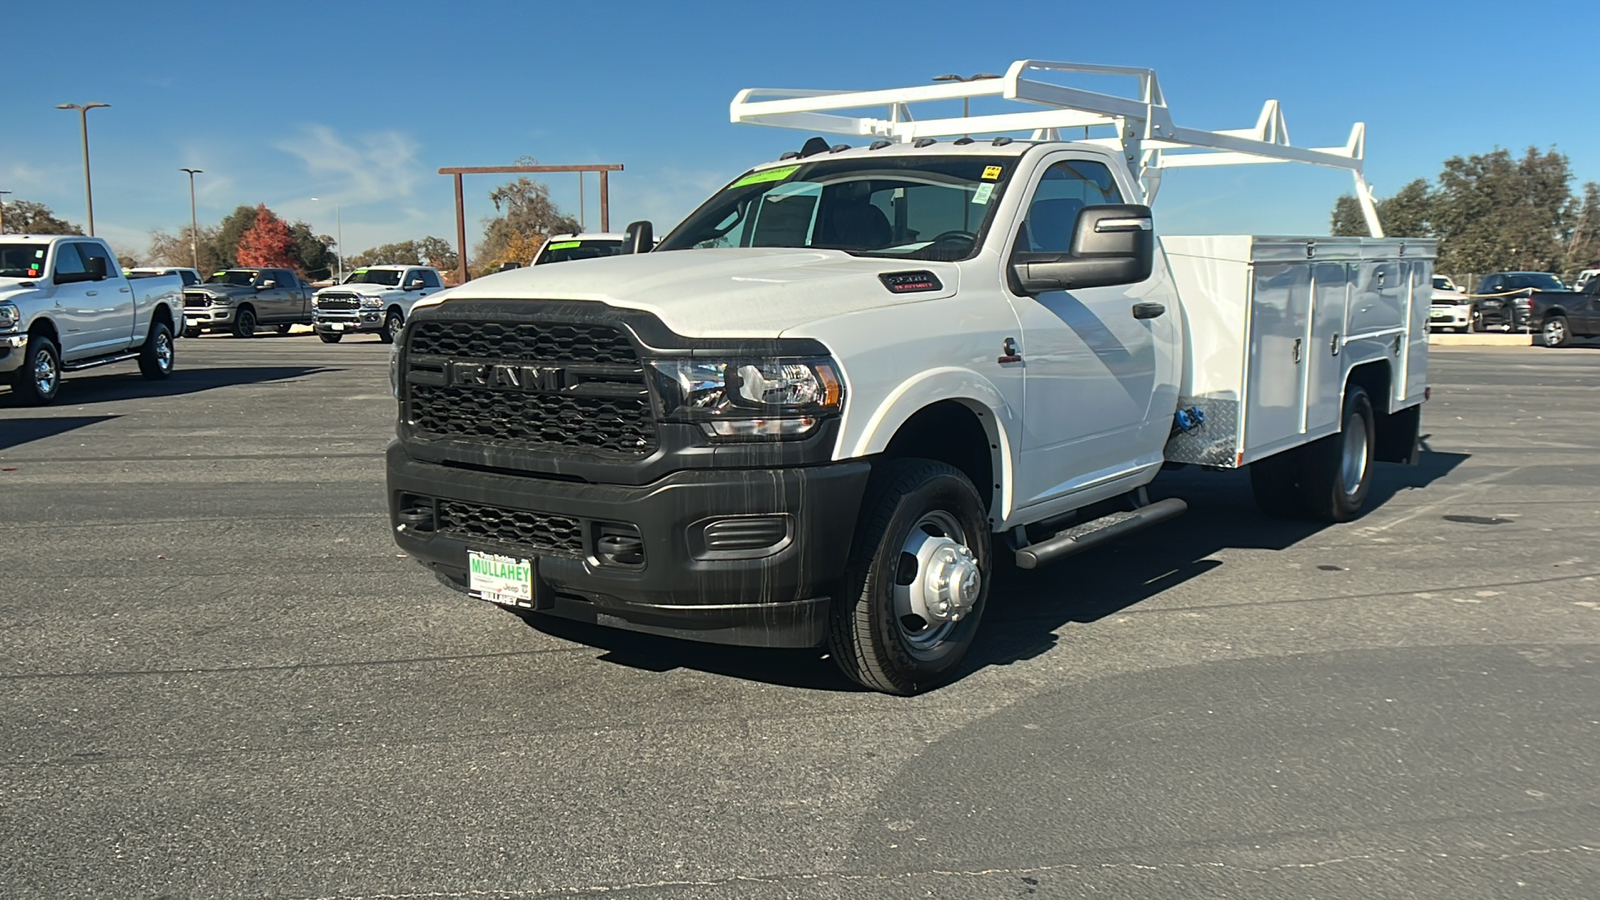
(868, 432)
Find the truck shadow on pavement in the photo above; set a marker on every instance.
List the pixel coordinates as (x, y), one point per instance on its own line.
(20, 431)
(1026, 609)
(87, 389)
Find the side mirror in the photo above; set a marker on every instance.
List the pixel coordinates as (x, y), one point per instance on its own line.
(508, 266)
(97, 268)
(640, 238)
(267, 285)
(414, 284)
(1111, 244)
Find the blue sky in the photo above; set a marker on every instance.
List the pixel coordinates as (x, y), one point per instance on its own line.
(360, 103)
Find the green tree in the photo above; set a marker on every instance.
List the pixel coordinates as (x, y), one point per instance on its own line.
(1583, 244)
(28, 217)
(229, 231)
(1347, 218)
(430, 251)
(1492, 212)
(1406, 214)
(310, 252)
(168, 249)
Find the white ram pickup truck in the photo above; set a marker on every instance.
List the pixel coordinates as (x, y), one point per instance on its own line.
(376, 299)
(828, 404)
(65, 306)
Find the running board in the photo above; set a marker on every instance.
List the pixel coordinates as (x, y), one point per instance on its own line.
(99, 361)
(1097, 531)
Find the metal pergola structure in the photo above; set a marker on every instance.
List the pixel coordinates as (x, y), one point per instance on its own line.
(604, 169)
(1145, 132)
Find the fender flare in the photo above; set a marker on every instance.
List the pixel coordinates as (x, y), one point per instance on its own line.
(948, 383)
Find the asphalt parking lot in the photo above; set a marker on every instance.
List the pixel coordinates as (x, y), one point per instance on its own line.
(220, 679)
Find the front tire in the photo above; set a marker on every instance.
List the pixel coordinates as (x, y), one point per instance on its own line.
(1336, 473)
(39, 378)
(917, 579)
(329, 337)
(193, 332)
(391, 328)
(158, 355)
(284, 329)
(1556, 333)
(244, 323)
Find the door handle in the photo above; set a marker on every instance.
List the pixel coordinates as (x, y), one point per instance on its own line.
(125, 290)
(91, 293)
(1148, 310)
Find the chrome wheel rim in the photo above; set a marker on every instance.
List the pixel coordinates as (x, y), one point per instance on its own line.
(1353, 466)
(1554, 332)
(44, 372)
(164, 351)
(394, 327)
(937, 581)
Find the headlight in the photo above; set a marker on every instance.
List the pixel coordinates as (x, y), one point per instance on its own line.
(223, 300)
(750, 399)
(371, 302)
(9, 316)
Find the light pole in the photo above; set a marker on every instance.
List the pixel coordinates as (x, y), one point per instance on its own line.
(338, 237)
(3, 211)
(194, 223)
(83, 124)
(966, 101)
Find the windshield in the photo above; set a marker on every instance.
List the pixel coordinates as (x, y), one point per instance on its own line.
(22, 260)
(388, 277)
(1441, 283)
(904, 207)
(238, 277)
(566, 251)
(1536, 280)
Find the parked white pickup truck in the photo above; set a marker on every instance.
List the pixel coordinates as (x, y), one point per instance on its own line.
(834, 396)
(376, 299)
(65, 305)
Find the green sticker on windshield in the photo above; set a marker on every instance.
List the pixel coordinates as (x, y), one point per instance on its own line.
(359, 272)
(766, 175)
(218, 274)
(566, 245)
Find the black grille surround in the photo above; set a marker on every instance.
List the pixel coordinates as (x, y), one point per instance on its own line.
(338, 301)
(542, 532)
(195, 301)
(530, 385)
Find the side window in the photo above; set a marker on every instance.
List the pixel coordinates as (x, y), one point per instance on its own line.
(69, 263)
(94, 251)
(410, 276)
(1066, 188)
(430, 279)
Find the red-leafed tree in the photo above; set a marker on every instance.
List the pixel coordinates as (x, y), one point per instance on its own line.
(267, 242)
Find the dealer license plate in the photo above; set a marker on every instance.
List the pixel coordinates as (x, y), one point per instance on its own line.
(336, 326)
(191, 323)
(500, 579)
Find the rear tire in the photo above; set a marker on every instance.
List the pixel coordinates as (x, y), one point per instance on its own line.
(158, 355)
(1556, 332)
(329, 337)
(244, 323)
(39, 378)
(1336, 471)
(923, 538)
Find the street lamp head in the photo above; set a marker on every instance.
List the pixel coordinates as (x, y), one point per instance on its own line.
(84, 107)
(192, 171)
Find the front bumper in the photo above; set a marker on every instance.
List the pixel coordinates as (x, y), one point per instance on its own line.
(208, 316)
(774, 596)
(1453, 316)
(348, 322)
(12, 347)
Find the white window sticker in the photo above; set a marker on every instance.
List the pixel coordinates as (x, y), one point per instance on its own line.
(981, 195)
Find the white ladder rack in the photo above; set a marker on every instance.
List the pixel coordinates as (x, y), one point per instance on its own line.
(1146, 134)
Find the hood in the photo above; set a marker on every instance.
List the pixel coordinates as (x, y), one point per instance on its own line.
(14, 292)
(221, 290)
(748, 293)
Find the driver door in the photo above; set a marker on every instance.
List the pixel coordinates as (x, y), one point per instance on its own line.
(1091, 370)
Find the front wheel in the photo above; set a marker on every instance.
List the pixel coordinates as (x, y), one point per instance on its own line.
(284, 329)
(329, 337)
(1556, 333)
(156, 357)
(1336, 471)
(37, 381)
(192, 332)
(391, 328)
(244, 323)
(916, 581)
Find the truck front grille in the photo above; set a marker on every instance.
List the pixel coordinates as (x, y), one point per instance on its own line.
(195, 301)
(536, 386)
(542, 532)
(338, 301)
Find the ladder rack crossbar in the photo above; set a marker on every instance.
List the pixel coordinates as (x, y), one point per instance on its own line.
(1144, 127)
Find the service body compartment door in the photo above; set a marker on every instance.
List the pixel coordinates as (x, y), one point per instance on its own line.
(1280, 323)
(1325, 381)
(1419, 279)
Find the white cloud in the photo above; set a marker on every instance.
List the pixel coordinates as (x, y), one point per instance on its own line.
(368, 168)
